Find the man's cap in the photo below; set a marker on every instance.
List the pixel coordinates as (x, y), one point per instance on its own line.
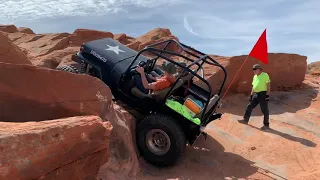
(182, 63)
(169, 67)
(256, 66)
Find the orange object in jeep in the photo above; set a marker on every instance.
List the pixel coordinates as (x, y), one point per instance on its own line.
(194, 107)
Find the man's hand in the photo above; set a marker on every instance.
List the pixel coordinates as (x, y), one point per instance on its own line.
(140, 69)
(250, 97)
(152, 78)
(267, 98)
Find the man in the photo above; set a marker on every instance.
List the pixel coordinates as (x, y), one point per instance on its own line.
(259, 95)
(147, 83)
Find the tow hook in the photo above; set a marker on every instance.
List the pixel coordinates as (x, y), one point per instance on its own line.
(205, 136)
(203, 132)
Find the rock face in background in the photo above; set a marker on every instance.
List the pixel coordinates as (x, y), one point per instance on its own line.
(69, 148)
(25, 30)
(285, 70)
(80, 36)
(314, 68)
(8, 28)
(54, 49)
(10, 52)
(123, 38)
(157, 35)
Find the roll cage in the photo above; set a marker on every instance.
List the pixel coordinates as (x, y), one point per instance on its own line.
(203, 58)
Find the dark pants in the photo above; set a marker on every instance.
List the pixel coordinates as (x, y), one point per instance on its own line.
(258, 98)
(139, 84)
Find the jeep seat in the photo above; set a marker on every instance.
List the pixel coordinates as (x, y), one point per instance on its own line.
(212, 102)
(157, 94)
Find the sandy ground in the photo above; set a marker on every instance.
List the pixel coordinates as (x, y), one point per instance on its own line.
(290, 150)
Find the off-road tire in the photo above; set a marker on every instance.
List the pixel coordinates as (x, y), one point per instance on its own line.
(68, 68)
(172, 129)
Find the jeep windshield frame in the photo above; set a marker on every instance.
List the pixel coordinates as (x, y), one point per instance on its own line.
(204, 58)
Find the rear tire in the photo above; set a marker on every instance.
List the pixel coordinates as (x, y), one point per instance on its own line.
(161, 140)
(68, 68)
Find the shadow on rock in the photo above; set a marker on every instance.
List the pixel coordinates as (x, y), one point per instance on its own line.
(280, 102)
(15, 108)
(303, 141)
(205, 160)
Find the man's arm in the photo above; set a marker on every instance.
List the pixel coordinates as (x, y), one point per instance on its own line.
(151, 77)
(269, 88)
(252, 92)
(145, 82)
(268, 84)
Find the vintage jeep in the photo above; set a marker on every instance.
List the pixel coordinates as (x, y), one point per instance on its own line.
(169, 122)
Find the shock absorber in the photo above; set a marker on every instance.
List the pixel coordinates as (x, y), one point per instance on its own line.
(83, 67)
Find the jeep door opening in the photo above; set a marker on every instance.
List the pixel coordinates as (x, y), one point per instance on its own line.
(172, 117)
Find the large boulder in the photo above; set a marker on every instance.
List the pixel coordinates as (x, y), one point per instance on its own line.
(8, 28)
(314, 68)
(157, 35)
(11, 53)
(25, 30)
(285, 71)
(68, 148)
(45, 50)
(123, 38)
(80, 36)
(42, 94)
(134, 45)
(123, 162)
(45, 44)
(57, 58)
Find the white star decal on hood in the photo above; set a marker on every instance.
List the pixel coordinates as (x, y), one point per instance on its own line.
(114, 49)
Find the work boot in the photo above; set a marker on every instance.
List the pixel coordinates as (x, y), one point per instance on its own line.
(243, 121)
(265, 128)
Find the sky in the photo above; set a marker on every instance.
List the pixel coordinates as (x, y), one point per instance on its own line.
(226, 28)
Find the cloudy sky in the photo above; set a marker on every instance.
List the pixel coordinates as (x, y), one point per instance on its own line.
(213, 26)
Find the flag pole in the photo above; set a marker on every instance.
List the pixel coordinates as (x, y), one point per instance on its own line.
(235, 77)
(259, 51)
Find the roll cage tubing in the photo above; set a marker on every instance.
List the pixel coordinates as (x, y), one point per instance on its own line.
(203, 58)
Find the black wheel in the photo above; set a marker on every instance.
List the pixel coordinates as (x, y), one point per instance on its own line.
(161, 140)
(68, 68)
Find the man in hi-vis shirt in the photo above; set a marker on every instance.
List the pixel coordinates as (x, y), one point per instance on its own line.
(259, 95)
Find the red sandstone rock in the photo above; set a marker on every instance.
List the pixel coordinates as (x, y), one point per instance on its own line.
(134, 45)
(80, 36)
(41, 94)
(45, 44)
(8, 28)
(10, 53)
(123, 161)
(285, 70)
(157, 35)
(123, 38)
(25, 30)
(45, 94)
(69, 148)
(56, 58)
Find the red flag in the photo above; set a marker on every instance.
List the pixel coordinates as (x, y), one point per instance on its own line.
(260, 49)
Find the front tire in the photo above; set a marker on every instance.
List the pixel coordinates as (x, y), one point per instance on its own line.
(68, 68)
(161, 140)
